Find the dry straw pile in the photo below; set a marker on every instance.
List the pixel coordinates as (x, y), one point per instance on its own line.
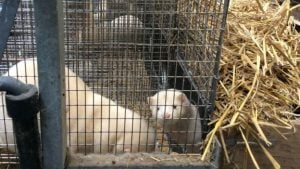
(260, 75)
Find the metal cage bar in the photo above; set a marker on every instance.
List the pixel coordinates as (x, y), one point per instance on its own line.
(125, 50)
(50, 54)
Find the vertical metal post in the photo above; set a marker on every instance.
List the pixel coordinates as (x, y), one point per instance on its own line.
(218, 56)
(50, 53)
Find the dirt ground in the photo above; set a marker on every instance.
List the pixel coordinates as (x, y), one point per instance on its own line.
(286, 152)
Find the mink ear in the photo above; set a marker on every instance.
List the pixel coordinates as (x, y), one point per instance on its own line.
(183, 98)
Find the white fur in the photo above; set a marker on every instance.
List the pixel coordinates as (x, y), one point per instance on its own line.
(178, 117)
(95, 121)
(126, 28)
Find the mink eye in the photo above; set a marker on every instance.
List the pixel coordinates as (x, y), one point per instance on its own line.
(174, 106)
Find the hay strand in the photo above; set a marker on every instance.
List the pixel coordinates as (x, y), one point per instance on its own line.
(213, 132)
(249, 149)
(259, 75)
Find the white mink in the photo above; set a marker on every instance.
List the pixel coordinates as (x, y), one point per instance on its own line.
(178, 117)
(90, 115)
(126, 28)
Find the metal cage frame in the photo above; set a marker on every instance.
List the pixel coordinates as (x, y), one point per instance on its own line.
(50, 54)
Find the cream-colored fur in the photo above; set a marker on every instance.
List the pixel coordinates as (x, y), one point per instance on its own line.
(178, 117)
(96, 123)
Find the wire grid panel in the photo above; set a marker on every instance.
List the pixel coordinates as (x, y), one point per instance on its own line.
(21, 44)
(128, 50)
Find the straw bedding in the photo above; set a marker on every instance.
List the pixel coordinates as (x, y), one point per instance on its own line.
(259, 86)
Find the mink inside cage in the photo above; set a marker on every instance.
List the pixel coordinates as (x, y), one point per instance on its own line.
(128, 50)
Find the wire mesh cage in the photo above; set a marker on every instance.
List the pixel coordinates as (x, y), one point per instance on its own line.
(128, 51)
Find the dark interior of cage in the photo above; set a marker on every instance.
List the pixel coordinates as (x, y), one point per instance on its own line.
(126, 62)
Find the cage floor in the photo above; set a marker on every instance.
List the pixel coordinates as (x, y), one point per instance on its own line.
(136, 161)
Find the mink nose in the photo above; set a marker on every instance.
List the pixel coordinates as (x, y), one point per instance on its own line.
(167, 116)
